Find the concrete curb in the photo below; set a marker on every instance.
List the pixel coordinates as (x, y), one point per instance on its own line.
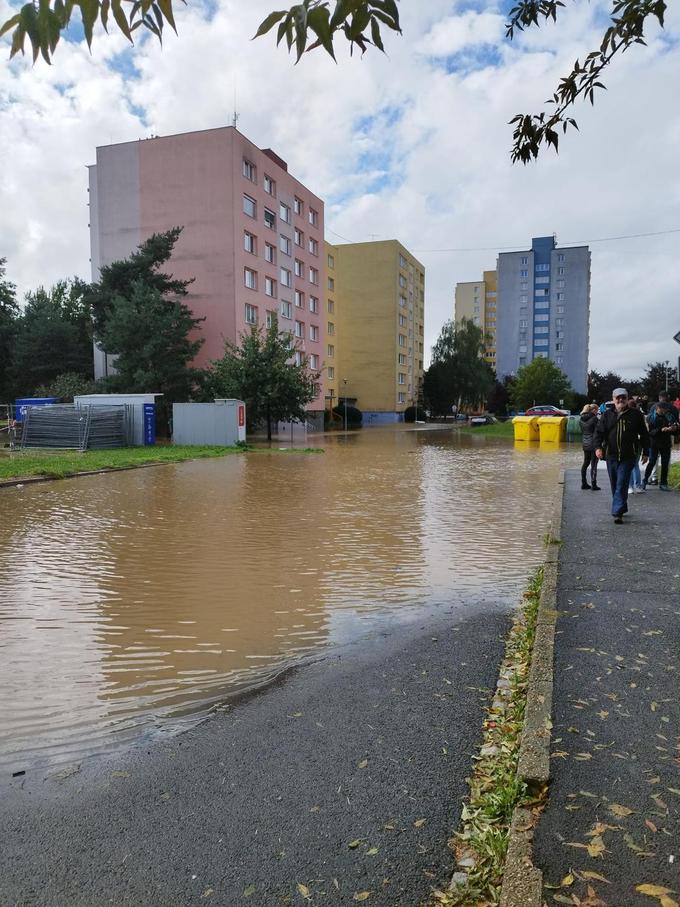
(522, 882)
(32, 480)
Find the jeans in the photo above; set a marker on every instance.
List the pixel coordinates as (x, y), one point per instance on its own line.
(635, 478)
(619, 478)
(661, 449)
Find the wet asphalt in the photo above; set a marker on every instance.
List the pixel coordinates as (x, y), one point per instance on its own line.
(616, 736)
(345, 777)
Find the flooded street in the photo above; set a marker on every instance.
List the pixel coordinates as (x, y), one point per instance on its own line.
(131, 601)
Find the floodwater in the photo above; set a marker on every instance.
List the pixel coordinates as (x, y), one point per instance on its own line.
(133, 602)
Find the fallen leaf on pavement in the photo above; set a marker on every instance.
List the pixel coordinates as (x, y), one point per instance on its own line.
(304, 891)
(620, 811)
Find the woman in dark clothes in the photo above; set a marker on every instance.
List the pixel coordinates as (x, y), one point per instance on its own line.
(588, 423)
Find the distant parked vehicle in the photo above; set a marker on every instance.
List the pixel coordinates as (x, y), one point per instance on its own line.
(546, 411)
(483, 420)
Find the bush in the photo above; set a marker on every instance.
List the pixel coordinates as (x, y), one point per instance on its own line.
(411, 413)
(67, 386)
(354, 415)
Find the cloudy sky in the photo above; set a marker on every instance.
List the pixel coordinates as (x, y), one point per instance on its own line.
(413, 145)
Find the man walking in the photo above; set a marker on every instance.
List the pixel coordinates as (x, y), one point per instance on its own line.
(620, 435)
(663, 424)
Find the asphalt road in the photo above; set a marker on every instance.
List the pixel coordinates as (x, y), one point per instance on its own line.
(345, 777)
(615, 785)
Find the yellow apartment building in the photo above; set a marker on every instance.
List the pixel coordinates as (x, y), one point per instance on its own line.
(375, 329)
(476, 301)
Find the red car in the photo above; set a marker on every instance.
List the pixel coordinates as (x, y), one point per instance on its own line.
(546, 411)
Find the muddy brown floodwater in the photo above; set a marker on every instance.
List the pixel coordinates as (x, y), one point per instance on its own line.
(133, 602)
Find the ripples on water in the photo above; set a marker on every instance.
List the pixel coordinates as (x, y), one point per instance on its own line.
(129, 600)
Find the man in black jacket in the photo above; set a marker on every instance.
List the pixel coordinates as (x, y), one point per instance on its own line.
(663, 424)
(620, 435)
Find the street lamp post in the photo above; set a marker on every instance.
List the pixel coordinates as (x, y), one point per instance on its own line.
(344, 381)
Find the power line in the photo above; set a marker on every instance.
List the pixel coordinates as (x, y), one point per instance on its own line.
(521, 246)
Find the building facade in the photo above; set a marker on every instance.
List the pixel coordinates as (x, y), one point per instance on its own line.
(252, 236)
(544, 309)
(476, 301)
(375, 328)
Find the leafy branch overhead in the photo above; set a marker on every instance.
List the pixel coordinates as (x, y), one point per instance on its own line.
(317, 23)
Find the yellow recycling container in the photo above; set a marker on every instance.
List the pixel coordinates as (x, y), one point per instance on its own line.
(552, 429)
(526, 428)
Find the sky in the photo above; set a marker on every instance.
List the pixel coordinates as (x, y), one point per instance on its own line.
(412, 145)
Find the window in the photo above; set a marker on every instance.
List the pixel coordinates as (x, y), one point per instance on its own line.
(331, 307)
(560, 310)
(249, 242)
(523, 310)
(313, 332)
(286, 310)
(300, 330)
(523, 299)
(524, 260)
(402, 320)
(331, 373)
(559, 296)
(331, 328)
(524, 273)
(544, 279)
(299, 357)
(249, 170)
(313, 217)
(284, 213)
(314, 276)
(250, 278)
(298, 205)
(269, 185)
(270, 219)
(402, 340)
(331, 350)
(560, 283)
(299, 237)
(286, 277)
(314, 362)
(560, 256)
(270, 287)
(331, 284)
(559, 347)
(299, 299)
(299, 268)
(402, 378)
(541, 329)
(402, 281)
(249, 206)
(523, 322)
(522, 361)
(314, 304)
(402, 397)
(542, 267)
(541, 341)
(402, 301)
(270, 318)
(402, 261)
(538, 293)
(542, 316)
(251, 314)
(560, 270)
(558, 360)
(313, 246)
(284, 244)
(559, 322)
(270, 253)
(523, 348)
(331, 261)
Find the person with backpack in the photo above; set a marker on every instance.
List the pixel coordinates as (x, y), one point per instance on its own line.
(663, 423)
(620, 436)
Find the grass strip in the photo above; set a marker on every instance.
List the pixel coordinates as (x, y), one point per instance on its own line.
(674, 476)
(495, 430)
(495, 790)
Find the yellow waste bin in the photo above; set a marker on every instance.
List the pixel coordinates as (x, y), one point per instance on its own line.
(552, 429)
(526, 428)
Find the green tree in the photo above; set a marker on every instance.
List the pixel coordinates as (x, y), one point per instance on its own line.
(540, 383)
(259, 371)
(9, 315)
(458, 374)
(311, 24)
(658, 377)
(67, 386)
(53, 336)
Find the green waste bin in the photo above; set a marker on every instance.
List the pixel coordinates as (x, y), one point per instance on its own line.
(574, 427)
(526, 428)
(552, 429)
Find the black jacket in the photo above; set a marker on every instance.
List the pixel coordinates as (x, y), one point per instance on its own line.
(622, 437)
(588, 424)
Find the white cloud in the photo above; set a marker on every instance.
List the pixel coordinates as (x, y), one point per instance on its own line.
(398, 145)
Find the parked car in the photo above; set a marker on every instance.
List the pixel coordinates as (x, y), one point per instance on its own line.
(546, 411)
(485, 419)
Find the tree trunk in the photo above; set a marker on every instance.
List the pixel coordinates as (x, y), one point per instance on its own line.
(269, 424)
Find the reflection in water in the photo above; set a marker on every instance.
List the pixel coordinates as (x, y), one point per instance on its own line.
(131, 599)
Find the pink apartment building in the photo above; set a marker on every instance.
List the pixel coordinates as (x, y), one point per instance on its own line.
(252, 238)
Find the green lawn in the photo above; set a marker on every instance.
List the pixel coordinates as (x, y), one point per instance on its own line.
(674, 476)
(497, 430)
(58, 464)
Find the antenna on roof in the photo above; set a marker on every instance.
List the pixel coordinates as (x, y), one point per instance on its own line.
(234, 119)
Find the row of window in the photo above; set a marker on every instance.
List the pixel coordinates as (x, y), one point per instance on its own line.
(269, 185)
(250, 278)
(524, 260)
(269, 217)
(250, 244)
